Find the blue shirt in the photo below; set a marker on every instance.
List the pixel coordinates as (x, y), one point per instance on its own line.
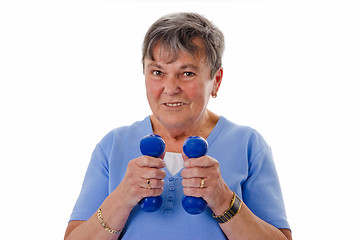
(246, 166)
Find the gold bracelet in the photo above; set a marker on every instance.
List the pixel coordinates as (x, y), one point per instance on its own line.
(234, 208)
(106, 227)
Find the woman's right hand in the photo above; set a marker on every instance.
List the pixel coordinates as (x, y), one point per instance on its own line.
(134, 185)
(118, 205)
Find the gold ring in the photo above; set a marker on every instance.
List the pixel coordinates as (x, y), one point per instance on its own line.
(148, 183)
(202, 182)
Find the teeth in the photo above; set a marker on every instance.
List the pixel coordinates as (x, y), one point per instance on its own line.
(174, 104)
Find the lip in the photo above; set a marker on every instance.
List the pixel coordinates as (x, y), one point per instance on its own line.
(173, 104)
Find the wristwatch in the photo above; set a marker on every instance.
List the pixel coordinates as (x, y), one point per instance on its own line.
(234, 208)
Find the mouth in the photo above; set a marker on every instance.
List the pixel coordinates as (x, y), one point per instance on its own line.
(174, 104)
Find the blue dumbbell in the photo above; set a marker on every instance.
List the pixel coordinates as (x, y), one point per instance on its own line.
(154, 146)
(194, 147)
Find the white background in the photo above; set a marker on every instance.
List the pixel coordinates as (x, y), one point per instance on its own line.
(71, 71)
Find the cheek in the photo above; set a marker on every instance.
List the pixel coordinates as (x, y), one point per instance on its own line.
(153, 90)
(200, 92)
(199, 97)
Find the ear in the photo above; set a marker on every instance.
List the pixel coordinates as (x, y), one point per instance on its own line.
(217, 81)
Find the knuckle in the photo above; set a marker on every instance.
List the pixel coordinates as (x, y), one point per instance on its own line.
(153, 192)
(186, 183)
(183, 182)
(184, 173)
(130, 173)
(160, 174)
(146, 161)
(163, 174)
(157, 192)
(187, 191)
(205, 161)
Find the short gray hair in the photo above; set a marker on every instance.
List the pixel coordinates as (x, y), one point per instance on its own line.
(176, 33)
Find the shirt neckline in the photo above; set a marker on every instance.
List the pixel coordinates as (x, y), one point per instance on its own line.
(212, 136)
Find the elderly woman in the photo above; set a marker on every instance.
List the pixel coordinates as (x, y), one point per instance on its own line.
(182, 66)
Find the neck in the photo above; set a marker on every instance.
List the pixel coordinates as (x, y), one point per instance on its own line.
(175, 136)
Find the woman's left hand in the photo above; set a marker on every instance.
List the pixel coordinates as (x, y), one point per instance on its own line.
(214, 191)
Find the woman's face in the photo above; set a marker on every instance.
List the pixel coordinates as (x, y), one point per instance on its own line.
(178, 91)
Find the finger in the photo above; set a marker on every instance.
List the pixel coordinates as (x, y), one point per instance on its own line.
(195, 172)
(194, 183)
(150, 173)
(151, 183)
(147, 161)
(203, 162)
(150, 192)
(194, 192)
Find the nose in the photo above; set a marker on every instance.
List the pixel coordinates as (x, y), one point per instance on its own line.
(171, 86)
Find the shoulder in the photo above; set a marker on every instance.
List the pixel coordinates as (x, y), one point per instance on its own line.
(241, 133)
(125, 135)
(243, 140)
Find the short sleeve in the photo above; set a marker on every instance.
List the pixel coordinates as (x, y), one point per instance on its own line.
(262, 191)
(95, 187)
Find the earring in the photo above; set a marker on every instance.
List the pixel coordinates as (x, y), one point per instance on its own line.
(214, 95)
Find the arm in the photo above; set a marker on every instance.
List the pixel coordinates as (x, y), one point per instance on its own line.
(118, 205)
(113, 214)
(245, 224)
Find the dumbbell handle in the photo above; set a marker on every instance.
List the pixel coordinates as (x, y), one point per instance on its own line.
(194, 147)
(154, 146)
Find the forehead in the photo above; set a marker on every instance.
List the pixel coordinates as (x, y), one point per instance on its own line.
(163, 52)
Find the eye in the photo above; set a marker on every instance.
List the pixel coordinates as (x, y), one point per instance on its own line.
(189, 74)
(157, 73)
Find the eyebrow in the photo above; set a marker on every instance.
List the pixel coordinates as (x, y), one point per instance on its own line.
(154, 64)
(190, 66)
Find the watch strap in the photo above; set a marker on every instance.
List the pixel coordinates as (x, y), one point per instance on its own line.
(234, 208)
